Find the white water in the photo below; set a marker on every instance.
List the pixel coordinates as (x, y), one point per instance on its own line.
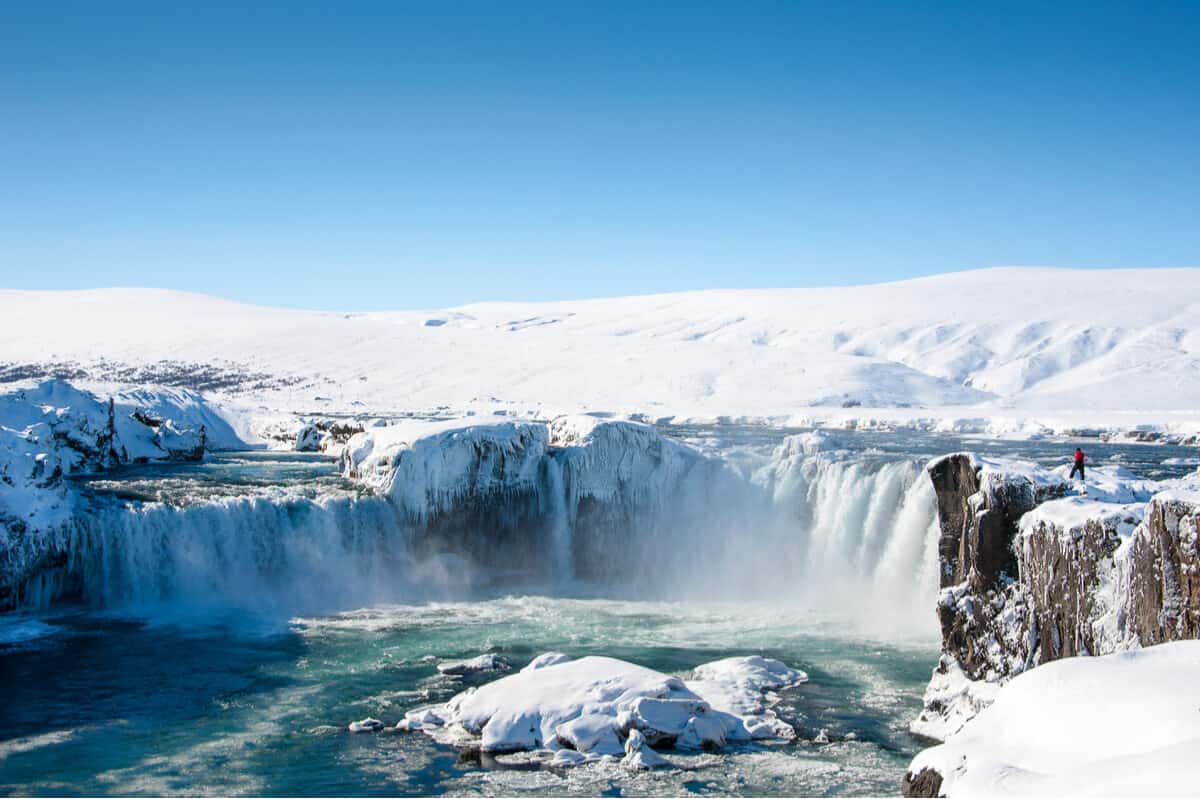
(852, 538)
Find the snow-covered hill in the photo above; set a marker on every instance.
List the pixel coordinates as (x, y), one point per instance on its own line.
(1078, 345)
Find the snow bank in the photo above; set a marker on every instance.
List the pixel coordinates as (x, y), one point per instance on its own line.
(598, 706)
(1122, 724)
(1069, 517)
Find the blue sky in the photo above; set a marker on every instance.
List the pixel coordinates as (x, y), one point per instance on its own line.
(358, 155)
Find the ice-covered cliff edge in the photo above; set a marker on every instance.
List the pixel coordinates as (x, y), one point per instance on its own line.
(50, 431)
(575, 497)
(1033, 573)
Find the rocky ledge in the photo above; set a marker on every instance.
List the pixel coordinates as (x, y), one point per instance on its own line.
(1033, 572)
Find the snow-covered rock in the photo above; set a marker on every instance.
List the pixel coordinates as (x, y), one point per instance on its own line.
(639, 756)
(366, 725)
(308, 438)
(1124, 724)
(568, 496)
(546, 659)
(744, 686)
(476, 665)
(595, 705)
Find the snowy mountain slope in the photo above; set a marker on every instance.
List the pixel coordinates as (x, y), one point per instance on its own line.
(1018, 340)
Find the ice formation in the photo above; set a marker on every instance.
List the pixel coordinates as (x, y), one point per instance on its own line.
(51, 431)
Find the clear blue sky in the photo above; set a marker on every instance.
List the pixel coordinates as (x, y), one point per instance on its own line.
(357, 155)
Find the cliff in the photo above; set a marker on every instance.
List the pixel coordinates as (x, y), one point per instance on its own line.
(1032, 573)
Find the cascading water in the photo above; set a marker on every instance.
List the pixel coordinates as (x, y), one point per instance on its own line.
(841, 531)
(864, 536)
(270, 554)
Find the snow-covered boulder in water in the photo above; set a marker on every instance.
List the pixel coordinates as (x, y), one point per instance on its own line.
(308, 438)
(475, 665)
(597, 705)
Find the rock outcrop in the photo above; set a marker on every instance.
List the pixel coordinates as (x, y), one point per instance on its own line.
(1031, 574)
(1163, 565)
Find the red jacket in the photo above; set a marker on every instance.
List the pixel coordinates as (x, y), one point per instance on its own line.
(1078, 456)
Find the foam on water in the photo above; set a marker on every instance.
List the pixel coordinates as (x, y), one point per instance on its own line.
(17, 629)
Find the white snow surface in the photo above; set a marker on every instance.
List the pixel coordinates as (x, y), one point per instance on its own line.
(595, 705)
(52, 428)
(1013, 348)
(1124, 724)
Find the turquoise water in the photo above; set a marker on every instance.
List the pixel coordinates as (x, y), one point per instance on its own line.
(108, 705)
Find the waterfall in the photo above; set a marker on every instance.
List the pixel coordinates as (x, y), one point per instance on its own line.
(865, 533)
(265, 553)
(560, 522)
(836, 530)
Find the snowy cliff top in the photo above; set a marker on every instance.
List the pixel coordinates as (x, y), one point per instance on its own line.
(1112, 496)
(1035, 346)
(424, 467)
(1071, 515)
(1118, 725)
(52, 429)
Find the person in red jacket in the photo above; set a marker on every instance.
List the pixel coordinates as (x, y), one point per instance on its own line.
(1078, 467)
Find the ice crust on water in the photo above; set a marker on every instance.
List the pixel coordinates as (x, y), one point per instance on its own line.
(1121, 724)
(595, 705)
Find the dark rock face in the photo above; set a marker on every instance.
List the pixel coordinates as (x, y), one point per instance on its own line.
(984, 615)
(1164, 581)
(926, 782)
(954, 482)
(1061, 574)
